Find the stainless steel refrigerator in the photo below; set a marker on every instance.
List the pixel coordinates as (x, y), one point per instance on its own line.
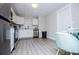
(4, 36)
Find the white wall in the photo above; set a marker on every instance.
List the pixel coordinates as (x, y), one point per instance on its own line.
(51, 22)
(64, 18)
(60, 20)
(75, 15)
(28, 22)
(68, 17)
(42, 25)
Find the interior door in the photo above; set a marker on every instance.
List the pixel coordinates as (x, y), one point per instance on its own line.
(64, 20)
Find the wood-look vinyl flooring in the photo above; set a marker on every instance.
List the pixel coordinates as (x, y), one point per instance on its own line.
(35, 47)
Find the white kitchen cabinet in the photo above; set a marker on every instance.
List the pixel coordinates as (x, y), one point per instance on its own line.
(14, 18)
(17, 19)
(11, 38)
(35, 21)
(25, 33)
(20, 20)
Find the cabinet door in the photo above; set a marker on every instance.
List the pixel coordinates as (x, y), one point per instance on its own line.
(11, 38)
(35, 21)
(64, 20)
(20, 20)
(29, 33)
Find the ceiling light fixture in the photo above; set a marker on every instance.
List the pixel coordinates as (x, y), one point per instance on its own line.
(34, 5)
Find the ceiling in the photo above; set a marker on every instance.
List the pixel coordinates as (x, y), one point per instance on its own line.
(43, 9)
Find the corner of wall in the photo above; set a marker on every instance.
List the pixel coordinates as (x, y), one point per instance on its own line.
(52, 38)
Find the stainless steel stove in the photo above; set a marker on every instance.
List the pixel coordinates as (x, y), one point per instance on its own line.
(36, 33)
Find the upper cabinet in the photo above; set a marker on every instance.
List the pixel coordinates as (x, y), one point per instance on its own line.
(5, 10)
(17, 19)
(20, 20)
(35, 21)
(13, 16)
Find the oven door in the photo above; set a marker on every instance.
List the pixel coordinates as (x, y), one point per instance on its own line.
(36, 34)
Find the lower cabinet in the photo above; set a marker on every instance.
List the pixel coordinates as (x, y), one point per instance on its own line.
(25, 33)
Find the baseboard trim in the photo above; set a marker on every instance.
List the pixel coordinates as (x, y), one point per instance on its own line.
(52, 38)
(26, 38)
